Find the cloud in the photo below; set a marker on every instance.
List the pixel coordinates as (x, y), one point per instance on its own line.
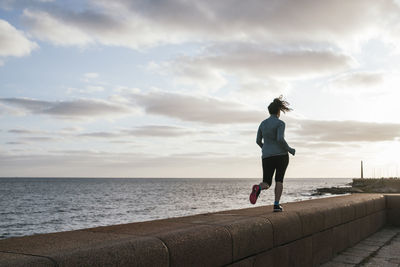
(13, 42)
(68, 109)
(358, 79)
(319, 145)
(47, 27)
(81, 163)
(25, 131)
(16, 143)
(159, 131)
(52, 24)
(20, 131)
(101, 135)
(366, 87)
(196, 108)
(144, 131)
(344, 131)
(94, 89)
(252, 64)
(143, 23)
(89, 76)
(39, 139)
(88, 89)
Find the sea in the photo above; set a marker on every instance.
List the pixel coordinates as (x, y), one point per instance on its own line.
(31, 206)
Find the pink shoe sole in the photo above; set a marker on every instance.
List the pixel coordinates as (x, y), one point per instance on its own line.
(255, 192)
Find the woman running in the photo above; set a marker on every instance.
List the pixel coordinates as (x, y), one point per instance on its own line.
(275, 150)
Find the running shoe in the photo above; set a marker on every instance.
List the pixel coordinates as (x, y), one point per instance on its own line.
(278, 208)
(255, 192)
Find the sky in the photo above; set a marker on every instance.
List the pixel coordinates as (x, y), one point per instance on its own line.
(177, 88)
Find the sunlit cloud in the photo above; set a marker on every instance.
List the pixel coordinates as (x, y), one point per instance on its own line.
(345, 131)
(359, 79)
(14, 42)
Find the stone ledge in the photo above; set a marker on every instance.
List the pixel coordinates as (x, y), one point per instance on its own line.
(307, 232)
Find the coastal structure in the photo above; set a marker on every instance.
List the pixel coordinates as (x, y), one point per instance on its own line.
(362, 170)
(307, 233)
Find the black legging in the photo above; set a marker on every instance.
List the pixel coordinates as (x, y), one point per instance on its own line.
(270, 164)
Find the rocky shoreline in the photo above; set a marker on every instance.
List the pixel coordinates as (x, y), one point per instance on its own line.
(365, 185)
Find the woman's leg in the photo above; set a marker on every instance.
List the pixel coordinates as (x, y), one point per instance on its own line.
(281, 165)
(268, 172)
(278, 191)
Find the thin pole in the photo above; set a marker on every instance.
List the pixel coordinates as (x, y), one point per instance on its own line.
(362, 171)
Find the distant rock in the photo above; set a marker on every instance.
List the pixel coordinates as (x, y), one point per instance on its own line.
(336, 190)
(366, 185)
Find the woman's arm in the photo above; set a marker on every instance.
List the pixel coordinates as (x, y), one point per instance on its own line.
(281, 139)
(259, 138)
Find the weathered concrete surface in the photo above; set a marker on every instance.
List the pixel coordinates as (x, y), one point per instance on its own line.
(287, 227)
(307, 233)
(322, 246)
(300, 253)
(389, 255)
(12, 259)
(393, 209)
(265, 258)
(187, 239)
(90, 249)
(199, 246)
(250, 235)
(340, 238)
(380, 249)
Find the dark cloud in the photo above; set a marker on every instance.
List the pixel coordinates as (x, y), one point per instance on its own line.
(144, 131)
(101, 134)
(159, 131)
(217, 141)
(21, 131)
(142, 22)
(196, 108)
(39, 139)
(15, 143)
(344, 131)
(74, 108)
(254, 61)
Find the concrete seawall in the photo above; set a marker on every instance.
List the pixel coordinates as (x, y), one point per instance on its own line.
(307, 233)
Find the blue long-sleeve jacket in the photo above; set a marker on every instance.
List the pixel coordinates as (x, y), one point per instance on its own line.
(272, 131)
